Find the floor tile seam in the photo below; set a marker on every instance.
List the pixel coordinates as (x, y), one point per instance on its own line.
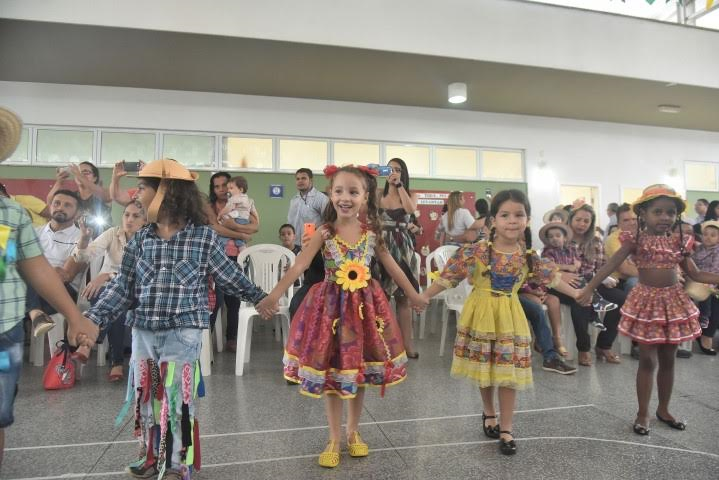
(298, 429)
(384, 434)
(399, 448)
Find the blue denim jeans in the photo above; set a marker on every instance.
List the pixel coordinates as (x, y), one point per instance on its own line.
(115, 335)
(11, 348)
(182, 348)
(540, 325)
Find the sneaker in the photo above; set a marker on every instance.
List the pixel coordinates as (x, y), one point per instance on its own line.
(140, 469)
(600, 305)
(634, 352)
(42, 324)
(557, 365)
(681, 353)
(599, 325)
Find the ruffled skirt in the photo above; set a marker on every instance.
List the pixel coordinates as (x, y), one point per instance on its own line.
(656, 315)
(340, 341)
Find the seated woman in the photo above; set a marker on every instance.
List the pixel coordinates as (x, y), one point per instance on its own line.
(111, 244)
(458, 223)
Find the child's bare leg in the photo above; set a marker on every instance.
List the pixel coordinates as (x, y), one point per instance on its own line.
(645, 381)
(354, 411)
(333, 410)
(555, 320)
(665, 378)
(488, 405)
(507, 397)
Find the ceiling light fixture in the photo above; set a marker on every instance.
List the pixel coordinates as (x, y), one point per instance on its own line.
(457, 92)
(669, 108)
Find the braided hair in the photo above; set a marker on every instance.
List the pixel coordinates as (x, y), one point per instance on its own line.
(503, 196)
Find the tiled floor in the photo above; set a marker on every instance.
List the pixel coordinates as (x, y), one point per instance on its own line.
(258, 427)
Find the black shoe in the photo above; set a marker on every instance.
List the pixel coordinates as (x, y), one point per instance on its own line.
(640, 429)
(684, 353)
(706, 351)
(507, 447)
(557, 365)
(675, 424)
(490, 431)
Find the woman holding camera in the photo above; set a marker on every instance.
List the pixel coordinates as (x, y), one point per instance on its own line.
(396, 204)
(95, 201)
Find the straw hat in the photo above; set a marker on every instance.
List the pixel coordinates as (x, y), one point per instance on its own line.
(659, 190)
(709, 223)
(166, 170)
(697, 291)
(556, 211)
(548, 226)
(10, 132)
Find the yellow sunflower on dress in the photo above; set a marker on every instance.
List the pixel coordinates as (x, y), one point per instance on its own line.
(352, 275)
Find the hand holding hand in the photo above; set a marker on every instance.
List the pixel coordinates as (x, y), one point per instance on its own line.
(82, 331)
(584, 296)
(418, 302)
(267, 307)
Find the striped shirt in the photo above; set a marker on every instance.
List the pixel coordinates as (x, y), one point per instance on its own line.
(15, 229)
(166, 281)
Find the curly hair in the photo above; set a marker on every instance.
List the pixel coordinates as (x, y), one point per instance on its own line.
(329, 216)
(213, 195)
(182, 202)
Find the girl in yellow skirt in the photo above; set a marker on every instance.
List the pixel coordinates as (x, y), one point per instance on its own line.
(492, 347)
(657, 314)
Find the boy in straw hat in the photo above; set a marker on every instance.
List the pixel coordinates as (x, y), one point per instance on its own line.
(706, 256)
(164, 278)
(21, 255)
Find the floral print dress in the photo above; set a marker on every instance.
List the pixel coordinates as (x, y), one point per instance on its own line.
(344, 334)
(492, 347)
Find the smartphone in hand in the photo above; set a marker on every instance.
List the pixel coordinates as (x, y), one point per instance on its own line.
(308, 229)
(132, 166)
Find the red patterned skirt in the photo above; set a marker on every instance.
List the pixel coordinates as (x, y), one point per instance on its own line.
(656, 315)
(341, 340)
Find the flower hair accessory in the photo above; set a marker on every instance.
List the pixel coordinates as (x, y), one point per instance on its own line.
(331, 170)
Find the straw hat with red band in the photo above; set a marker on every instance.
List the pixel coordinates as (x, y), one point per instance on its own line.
(167, 170)
(709, 223)
(656, 191)
(10, 133)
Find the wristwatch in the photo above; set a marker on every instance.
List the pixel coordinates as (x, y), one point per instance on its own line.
(399, 185)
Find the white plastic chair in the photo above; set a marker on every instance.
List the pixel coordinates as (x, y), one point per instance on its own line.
(266, 264)
(439, 256)
(454, 301)
(420, 317)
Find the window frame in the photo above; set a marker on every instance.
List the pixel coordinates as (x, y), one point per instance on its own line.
(697, 162)
(278, 140)
(221, 154)
(523, 158)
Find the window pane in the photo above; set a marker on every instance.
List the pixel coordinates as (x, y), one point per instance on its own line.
(190, 150)
(629, 194)
(22, 153)
(131, 147)
(456, 162)
(416, 158)
(247, 153)
(502, 165)
(295, 154)
(356, 153)
(701, 176)
(64, 146)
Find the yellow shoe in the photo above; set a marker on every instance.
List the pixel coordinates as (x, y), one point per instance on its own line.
(330, 458)
(356, 446)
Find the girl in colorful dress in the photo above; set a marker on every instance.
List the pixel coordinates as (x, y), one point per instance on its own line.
(493, 338)
(344, 336)
(657, 313)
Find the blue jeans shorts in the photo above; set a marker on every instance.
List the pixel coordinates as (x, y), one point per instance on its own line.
(11, 348)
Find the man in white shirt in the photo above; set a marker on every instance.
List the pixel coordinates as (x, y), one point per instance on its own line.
(58, 239)
(307, 206)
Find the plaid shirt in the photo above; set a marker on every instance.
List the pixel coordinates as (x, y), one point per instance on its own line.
(16, 224)
(561, 256)
(590, 265)
(166, 281)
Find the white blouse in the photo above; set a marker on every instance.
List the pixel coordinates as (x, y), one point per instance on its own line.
(110, 243)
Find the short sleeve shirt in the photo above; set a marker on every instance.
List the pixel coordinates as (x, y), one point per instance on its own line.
(17, 233)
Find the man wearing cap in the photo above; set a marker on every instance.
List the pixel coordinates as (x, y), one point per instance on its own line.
(164, 277)
(21, 254)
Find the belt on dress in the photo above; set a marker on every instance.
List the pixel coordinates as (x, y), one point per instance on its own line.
(497, 293)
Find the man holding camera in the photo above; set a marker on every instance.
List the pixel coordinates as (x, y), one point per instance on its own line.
(57, 238)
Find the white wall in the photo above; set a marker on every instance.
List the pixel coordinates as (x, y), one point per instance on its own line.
(506, 31)
(575, 152)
